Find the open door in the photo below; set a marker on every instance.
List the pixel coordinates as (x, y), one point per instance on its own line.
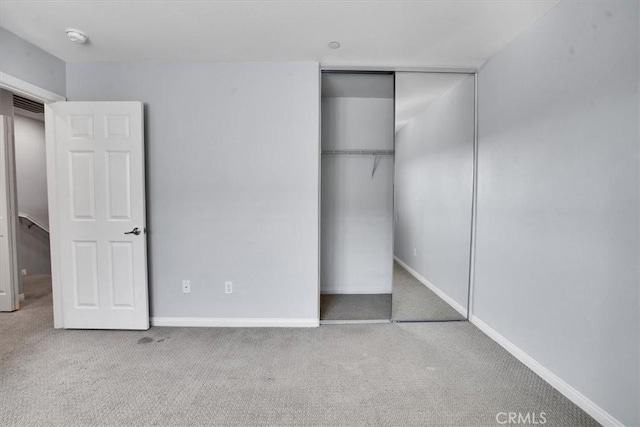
(8, 219)
(96, 187)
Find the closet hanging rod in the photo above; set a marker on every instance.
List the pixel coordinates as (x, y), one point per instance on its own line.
(361, 152)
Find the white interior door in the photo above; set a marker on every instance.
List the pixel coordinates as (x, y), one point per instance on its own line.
(8, 220)
(95, 165)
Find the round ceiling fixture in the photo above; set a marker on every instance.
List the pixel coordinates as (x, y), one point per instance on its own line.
(334, 45)
(76, 36)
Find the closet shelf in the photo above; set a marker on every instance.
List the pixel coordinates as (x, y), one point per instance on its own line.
(361, 152)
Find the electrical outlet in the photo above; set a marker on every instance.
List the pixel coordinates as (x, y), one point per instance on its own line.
(228, 287)
(415, 252)
(24, 271)
(186, 286)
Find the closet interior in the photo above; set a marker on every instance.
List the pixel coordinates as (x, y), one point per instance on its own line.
(357, 196)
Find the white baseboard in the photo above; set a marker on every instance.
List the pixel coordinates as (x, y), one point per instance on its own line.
(212, 322)
(446, 298)
(599, 414)
(21, 297)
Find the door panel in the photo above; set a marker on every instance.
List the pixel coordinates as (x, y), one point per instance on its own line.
(82, 187)
(122, 274)
(99, 191)
(118, 186)
(85, 267)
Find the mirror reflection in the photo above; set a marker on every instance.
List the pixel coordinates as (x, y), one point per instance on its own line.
(433, 190)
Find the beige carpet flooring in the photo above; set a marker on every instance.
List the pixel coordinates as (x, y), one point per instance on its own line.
(402, 374)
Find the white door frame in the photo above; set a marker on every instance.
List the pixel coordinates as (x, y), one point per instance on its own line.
(28, 90)
(36, 93)
(8, 180)
(52, 198)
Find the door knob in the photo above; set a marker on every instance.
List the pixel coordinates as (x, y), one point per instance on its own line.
(135, 231)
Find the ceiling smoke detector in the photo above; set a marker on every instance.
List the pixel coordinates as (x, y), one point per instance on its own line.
(76, 36)
(334, 45)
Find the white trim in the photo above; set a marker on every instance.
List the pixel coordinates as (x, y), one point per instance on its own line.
(319, 212)
(474, 202)
(52, 196)
(446, 298)
(28, 90)
(21, 297)
(8, 172)
(348, 290)
(215, 322)
(356, 68)
(599, 414)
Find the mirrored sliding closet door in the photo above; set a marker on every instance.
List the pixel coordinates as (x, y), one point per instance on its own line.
(433, 191)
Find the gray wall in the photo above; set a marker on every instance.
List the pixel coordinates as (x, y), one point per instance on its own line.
(27, 62)
(31, 168)
(34, 253)
(558, 229)
(31, 177)
(357, 211)
(433, 190)
(358, 123)
(232, 181)
(357, 225)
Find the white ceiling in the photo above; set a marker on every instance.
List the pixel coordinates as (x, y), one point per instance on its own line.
(415, 91)
(416, 33)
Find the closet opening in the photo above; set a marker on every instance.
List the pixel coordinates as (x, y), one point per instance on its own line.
(357, 196)
(397, 188)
